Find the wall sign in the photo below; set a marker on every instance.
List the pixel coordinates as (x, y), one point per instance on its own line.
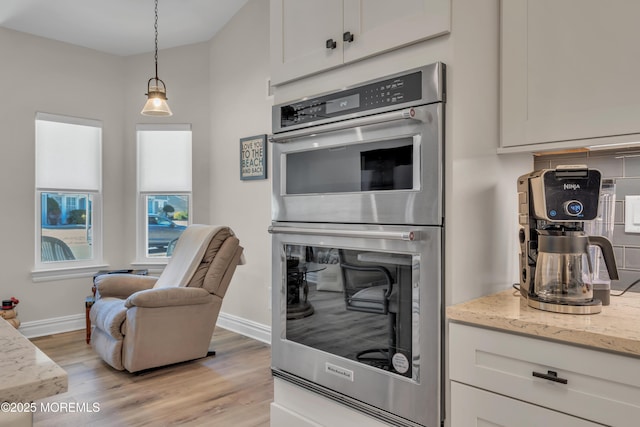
(253, 157)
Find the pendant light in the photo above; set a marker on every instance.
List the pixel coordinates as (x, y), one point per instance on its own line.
(156, 104)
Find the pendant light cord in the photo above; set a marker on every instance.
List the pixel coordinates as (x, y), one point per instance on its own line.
(155, 26)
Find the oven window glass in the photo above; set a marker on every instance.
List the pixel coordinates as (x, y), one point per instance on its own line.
(354, 304)
(374, 166)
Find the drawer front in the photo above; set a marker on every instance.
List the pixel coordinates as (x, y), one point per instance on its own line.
(283, 417)
(600, 386)
(474, 407)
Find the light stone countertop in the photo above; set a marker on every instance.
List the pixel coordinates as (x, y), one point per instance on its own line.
(616, 328)
(26, 373)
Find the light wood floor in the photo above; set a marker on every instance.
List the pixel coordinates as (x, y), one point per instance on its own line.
(233, 388)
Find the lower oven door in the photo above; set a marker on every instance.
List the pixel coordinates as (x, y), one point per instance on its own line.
(357, 316)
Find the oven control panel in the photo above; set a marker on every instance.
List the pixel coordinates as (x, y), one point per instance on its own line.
(394, 91)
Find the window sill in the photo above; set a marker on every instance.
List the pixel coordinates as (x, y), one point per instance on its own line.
(154, 267)
(49, 274)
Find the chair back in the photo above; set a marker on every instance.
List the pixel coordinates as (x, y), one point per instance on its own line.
(187, 256)
(367, 287)
(53, 249)
(218, 263)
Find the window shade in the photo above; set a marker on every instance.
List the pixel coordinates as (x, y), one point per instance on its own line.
(68, 153)
(164, 159)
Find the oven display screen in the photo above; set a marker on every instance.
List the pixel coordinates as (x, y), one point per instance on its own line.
(341, 104)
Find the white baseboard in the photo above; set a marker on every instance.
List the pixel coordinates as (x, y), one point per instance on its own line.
(245, 327)
(56, 325)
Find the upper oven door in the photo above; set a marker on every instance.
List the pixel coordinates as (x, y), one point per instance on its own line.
(380, 169)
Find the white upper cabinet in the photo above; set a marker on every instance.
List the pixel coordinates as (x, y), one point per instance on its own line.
(570, 73)
(378, 26)
(309, 36)
(306, 36)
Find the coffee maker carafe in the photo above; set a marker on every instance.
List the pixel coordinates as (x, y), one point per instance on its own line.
(555, 266)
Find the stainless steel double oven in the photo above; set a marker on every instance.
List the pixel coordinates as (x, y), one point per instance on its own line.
(357, 232)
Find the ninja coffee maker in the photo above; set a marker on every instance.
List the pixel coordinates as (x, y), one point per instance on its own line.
(555, 266)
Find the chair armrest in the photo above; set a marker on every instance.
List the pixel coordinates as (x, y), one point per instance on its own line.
(122, 285)
(168, 297)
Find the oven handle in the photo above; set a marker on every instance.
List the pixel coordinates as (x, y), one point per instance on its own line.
(407, 113)
(372, 234)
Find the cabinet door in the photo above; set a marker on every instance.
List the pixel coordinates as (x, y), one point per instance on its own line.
(378, 26)
(299, 33)
(569, 73)
(599, 386)
(474, 407)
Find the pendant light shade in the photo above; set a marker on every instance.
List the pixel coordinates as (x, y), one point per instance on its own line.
(156, 104)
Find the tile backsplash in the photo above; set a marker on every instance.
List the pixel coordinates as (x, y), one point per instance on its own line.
(622, 166)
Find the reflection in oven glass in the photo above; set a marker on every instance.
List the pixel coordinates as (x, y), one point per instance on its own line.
(374, 166)
(354, 304)
(387, 169)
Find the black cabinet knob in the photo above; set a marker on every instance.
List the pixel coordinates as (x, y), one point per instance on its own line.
(347, 37)
(331, 44)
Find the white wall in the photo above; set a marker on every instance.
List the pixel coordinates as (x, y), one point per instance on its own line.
(43, 75)
(240, 108)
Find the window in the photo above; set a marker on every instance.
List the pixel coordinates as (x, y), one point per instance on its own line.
(164, 188)
(68, 192)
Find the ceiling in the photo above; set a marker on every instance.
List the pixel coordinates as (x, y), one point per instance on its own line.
(120, 27)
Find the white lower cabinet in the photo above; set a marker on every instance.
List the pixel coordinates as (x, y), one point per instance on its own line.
(471, 406)
(496, 374)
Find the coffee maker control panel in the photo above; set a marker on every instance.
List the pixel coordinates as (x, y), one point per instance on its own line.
(570, 194)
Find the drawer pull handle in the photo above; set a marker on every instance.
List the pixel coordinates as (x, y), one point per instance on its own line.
(551, 376)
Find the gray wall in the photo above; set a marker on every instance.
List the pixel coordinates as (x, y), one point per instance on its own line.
(623, 166)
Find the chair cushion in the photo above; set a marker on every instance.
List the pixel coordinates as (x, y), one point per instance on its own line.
(108, 314)
(212, 250)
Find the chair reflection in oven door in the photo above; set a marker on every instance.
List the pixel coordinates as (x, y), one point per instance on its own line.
(371, 289)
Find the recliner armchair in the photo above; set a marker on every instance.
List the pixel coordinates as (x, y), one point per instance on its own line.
(142, 322)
